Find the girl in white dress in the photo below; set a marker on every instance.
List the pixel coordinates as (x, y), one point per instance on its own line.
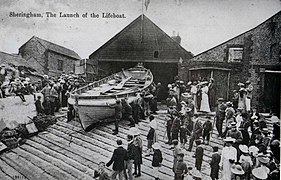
(205, 107)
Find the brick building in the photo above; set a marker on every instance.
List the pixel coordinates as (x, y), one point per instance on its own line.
(254, 55)
(141, 41)
(47, 57)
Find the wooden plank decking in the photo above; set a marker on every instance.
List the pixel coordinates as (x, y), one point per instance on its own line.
(65, 151)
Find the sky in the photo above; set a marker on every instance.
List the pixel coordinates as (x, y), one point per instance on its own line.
(202, 24)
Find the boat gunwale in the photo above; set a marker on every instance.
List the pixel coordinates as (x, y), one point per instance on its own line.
(77, 93)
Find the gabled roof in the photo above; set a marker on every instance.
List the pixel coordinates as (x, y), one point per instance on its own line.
(55, 48)
(244, 33)
(16, 60)
(138, 41)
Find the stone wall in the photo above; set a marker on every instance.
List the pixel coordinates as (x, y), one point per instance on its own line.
(261, 51)
(34, 53)
(53, 58)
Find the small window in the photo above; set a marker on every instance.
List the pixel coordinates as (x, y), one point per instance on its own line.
(273, 48)
(235, 54)
(60, 65)
(156, 54)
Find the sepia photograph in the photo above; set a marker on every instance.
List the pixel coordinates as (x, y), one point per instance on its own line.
(140, 89)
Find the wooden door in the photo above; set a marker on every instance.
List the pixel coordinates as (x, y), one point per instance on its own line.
(271, 98)
(220, 87)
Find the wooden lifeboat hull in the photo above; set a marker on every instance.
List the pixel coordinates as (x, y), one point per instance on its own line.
(90, 102)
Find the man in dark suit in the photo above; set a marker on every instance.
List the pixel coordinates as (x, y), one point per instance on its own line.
(118, 159)
(215, 164)
(196, 133)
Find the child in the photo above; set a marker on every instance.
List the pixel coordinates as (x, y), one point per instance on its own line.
(151, 137)
(176, 151)
(199, 154)
(156, 159)
(138, 143)
(215, 163)
(181, 168)
(100, 173)
(207, 127)
(47, 106)
(38, 106)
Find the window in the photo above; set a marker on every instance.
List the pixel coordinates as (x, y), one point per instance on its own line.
(60, 65)
(235, 54)
(156, 54)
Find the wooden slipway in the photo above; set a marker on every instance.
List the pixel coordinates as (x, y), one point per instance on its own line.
(65, 151)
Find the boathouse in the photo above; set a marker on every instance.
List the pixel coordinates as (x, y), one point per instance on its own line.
(142, 41)
(47, 57)
(254, 55)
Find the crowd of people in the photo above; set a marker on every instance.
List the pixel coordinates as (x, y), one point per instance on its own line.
(14, 82)
(50, 93)
(249, 151)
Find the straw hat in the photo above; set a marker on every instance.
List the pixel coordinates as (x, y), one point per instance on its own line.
(204, 82)
(196, 173)
(229, 139)
(186, 95)
(174, 141)
(229, 103)
(254, 150)
(259, 173)
(153, 124)
(263, 159)
(183, 103)
(241, 84)
(220, 99)
(187, 109)
(133, 131)
(233, 124)
(237, 169)
(274, 119)
(244, 148)
(156, 145)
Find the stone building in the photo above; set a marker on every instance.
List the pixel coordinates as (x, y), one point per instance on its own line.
(141, 41)
(254, 55)
(47, 57)
(14, 65)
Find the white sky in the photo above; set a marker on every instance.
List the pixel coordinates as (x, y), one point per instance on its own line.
(202, 24)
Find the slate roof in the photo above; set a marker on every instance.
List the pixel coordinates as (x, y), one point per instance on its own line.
(55, 48)
(14, 59)
(138, 41)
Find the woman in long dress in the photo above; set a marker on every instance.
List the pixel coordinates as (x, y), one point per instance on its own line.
(205, 107)
(228, 157)
(242, 98)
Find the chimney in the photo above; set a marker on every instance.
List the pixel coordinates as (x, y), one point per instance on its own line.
(176, 38)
